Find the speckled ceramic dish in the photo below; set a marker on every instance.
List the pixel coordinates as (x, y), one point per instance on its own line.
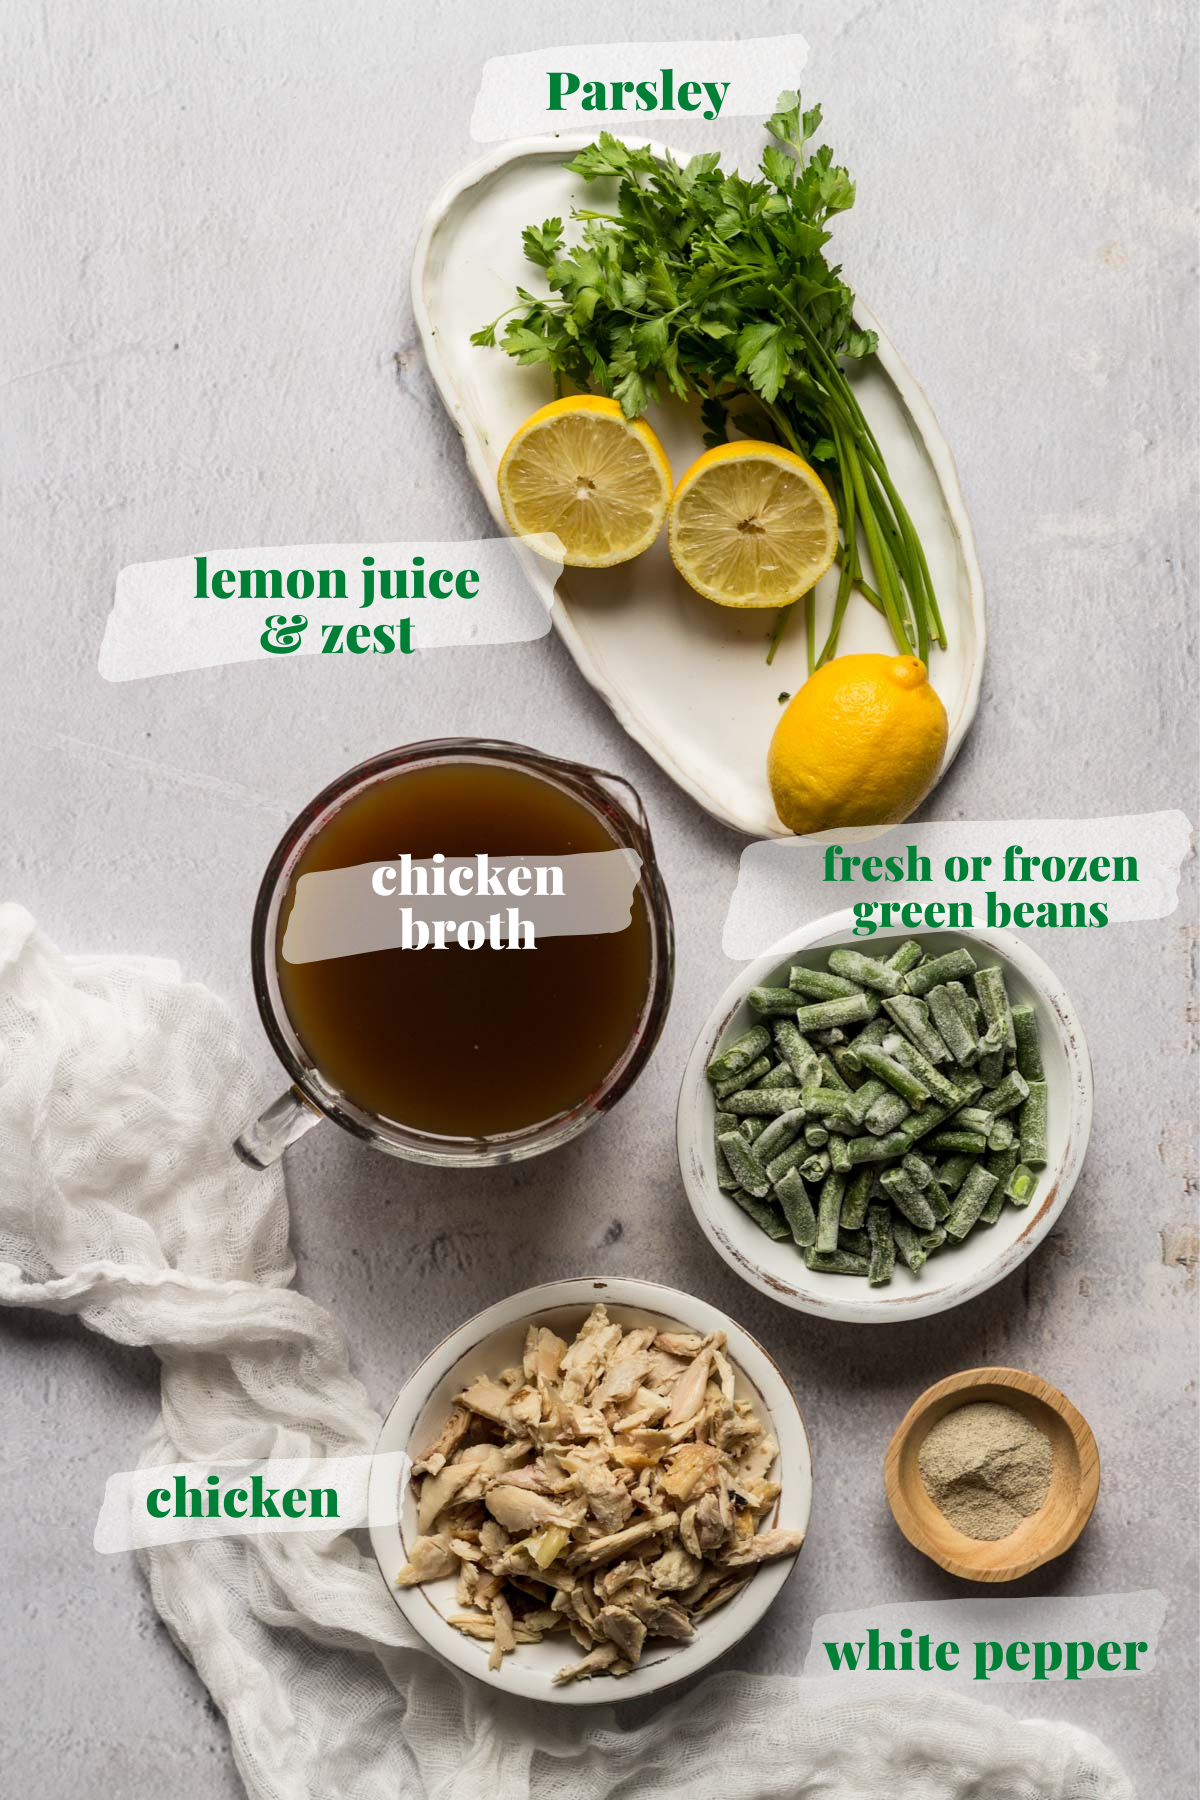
(689, 680)
(493, 1341)
(989, 1253)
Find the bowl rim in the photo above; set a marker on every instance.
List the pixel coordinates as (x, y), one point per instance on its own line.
(715, 1635)
(877, 1306)
(963, 1387)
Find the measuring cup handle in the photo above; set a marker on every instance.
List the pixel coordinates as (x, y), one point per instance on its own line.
(279, 1125)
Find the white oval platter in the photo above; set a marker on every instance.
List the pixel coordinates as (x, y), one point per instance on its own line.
(688, 680)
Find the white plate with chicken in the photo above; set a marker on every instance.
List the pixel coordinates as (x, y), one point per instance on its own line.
(611, 1482)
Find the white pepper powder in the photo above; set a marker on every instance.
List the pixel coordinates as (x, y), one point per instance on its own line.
(986, 1467)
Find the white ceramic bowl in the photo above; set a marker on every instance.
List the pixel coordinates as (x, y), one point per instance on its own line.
(493, 1341)
(988, 1254)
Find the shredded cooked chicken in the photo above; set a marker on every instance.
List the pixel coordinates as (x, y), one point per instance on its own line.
(610, 1489)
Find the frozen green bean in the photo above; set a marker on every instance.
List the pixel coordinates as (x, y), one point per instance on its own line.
(778, 1076)
(829, 1210)
(830, 1075)
(825, 1103)
(763, 1214)
(726, 1179)
(972, 1198)
(835, 1262)
(940, 1200)
(940, 1086)
(732, 1084)
(906, 957)
(738, 1056)
(768, 1001)
(797, 1209)
(993, 998)
(849, 1077)
(972, 1143)
(745, 1165)
(752, 1128)
(819, 984)
(974, 1118)
(993, 1206)
(909, 1086)
(878, 1149)
(874, 1033)
(917, 1170)
(778, 1135)
(912, 1017)
(856, 1242)
(933, 1240)
(1032, 1125)
(830, 1040)
(1000, 1134)
(815, 1167)
(913, 1253)
(883, 1250)
(951, 1027)
(839, 1156)
(825, 1013)
(771, 1101)
(865, 971)
(954, 1171)
(858, 1193)
(1001, 1163)
(788, 1159)
(816, 1135)
(863, 1098)
(1029, 1051)
(951, 967)
(795, 1050)
(907, 1198)
(1021, 1184)
(887, 1114)
(1011, 1092)
(968, 1007)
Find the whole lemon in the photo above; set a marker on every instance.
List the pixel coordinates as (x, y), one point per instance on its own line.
(861, 744)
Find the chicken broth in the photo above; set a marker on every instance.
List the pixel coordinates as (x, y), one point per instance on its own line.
(457, 1042)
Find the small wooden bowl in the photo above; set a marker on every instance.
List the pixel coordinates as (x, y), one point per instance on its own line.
(1074, 1478)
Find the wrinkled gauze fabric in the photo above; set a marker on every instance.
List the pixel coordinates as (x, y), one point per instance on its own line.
(121, 1087)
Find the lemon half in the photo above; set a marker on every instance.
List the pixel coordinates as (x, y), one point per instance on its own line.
(580, 469)
(751, 524)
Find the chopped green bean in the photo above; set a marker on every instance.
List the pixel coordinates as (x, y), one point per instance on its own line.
(993, 998)
(913, 1253)
(849, 1077)
(864, 1098)
(972, 1143)
(1021, 1184)
(768, 1001)
(874, 1033)
(1001, 1163)
(906, 957)
(732, 1084)
(797, 1209)
(839, 1156)
(907, 1198)
(829, 1040)
(933, 1240)
(878, 1149)
(816, 1135)
(726, 1179)
(1000, 1134)
(991, 1056)
(778, 1135)
(795, 1050)
(909, 1086)
(865, 971)
(917, 1170)
(1012, 1091)
(788, 1159)
(778, 1076)
(818, 984)
(968, 1007)
(738, 1056)
(829, 1210)
(883, 1250)
(856, 1242)
(954, 1171)
(815, 1167)
(993, 1206)
(1033, 1125)
(974, 1118)
(833, 1012)
(912, 1016)
(763, 1214)
(745, 1165)
(835, 1262)
(929, 974)
(952, 1029)
(825, 1103)
(830, 1076)
(887, 1114)
(1029, 1053)
(940, 1086)
(858, 1193)
(772, 1101)
(752, 1128)
(972, 1198)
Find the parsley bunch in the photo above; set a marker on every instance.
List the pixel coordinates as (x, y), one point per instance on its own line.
(708, 285)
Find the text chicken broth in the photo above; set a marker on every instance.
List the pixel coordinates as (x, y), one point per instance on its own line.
(461, 1042)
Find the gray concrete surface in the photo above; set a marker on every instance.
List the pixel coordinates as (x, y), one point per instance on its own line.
(210, 211)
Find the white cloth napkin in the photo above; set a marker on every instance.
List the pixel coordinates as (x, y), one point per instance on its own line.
(121, 1088)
